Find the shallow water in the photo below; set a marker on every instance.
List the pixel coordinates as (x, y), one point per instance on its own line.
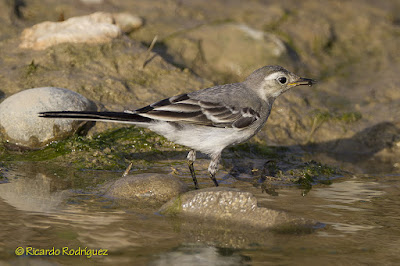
(359, 216)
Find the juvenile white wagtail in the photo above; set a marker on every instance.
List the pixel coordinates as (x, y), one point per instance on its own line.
(210, 119)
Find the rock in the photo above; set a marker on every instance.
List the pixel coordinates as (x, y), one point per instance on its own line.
(224, 204)
(21, 125)
(98, 27)
(154, 187)
(230, 50)
(127, 22)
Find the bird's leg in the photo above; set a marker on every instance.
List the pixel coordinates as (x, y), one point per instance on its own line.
(213, 167)
(191, 157)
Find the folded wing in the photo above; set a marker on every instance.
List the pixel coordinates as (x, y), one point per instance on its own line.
(182, 108)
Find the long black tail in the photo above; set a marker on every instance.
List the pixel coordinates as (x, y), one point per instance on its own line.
(120, 117)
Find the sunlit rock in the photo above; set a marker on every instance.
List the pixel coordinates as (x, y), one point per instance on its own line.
(98, 27)
(225, 204)
(127, 22)
(21, 125)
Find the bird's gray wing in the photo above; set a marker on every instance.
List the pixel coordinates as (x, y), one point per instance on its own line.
(186, 109)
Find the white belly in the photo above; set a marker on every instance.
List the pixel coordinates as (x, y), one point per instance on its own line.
(209, 140)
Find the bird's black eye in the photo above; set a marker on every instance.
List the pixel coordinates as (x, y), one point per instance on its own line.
(282, 80)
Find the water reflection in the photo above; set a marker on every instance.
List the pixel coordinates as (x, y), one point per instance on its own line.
(348, 197)
(37, 193)
(351, 228)
(349, 191)
(197, 254)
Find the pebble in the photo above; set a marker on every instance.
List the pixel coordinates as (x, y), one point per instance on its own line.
(127, 22)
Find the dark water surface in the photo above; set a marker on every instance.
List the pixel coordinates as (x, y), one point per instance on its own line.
(360, 219)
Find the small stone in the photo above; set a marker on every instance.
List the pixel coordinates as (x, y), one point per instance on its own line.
(154, 187)
(99, 27)
(224, 204)
(21, 125)
(127, 22)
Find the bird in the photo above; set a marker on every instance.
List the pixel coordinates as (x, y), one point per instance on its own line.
(206, 120)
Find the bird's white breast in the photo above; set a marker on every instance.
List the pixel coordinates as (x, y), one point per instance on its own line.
(209, 140)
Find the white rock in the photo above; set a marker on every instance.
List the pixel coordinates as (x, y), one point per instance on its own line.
(98, 27)
(127, 22)
(21, 125)
(224, 204)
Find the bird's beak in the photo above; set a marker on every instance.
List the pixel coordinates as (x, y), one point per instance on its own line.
(303, 81)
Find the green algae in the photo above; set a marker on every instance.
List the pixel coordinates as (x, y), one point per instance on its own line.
(311, 173)
(280, 167)
(173, 207)
(111, 149)
(289, 171)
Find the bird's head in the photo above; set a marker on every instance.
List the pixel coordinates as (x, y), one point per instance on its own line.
(271, 81)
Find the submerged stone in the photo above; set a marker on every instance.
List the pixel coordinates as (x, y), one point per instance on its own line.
(150, 186)
(227, 205)
(21, 125)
